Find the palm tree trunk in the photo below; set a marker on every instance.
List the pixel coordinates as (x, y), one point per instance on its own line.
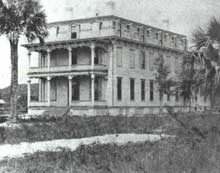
(14, 78)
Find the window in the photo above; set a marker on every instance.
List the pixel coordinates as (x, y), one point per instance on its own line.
(157, 36)
(128, 27)
(165, 37)
(100, 25)
(120, 33)
(173, 40)
(119, 57)
(138, 31)
(177, 65)
(98, 89)
(132, 89)
(148, 33)
(119, 88)
(74, 56)
(168, 97)
(73, 32)
(43, 89)
(168, 94)
(142, 89)
(113, 24)
(57, 31)
(132, 58)
(151, 61)
(96, 60)
(43, 59)
(177, 96)
(75, 89)
(151, 90)
(142, 60)
(53, 96)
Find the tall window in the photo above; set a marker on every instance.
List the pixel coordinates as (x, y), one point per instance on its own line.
(151, 61)
(157, 36)
(100, 25)
(151, 90)
(132, 58)
(132, 89)
(119, 88)
(43, 59)
(119, 56)
(142, 89)
(53, 96)
(142, 60)
(177, 96)
(128, 28)
(148, 33)
(75, 89)
(73, 32)
(168, 94)
(98, 89)
(74, 56)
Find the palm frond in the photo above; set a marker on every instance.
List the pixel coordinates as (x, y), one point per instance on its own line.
(214, 30)
(200, 38)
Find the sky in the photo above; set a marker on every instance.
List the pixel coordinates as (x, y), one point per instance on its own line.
(183, 16)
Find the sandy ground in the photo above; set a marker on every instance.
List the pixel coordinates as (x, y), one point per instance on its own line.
(18, 150)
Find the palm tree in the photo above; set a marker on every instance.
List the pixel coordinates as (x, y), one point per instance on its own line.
(20, 18)
(207, 42)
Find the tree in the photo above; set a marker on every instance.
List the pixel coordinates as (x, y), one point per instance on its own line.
(207, 43)
(20, 18)
(164, 82)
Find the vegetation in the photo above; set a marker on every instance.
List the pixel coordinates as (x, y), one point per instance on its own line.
(78, 127)
(162, 78)
(20, 18)
(203, 63)
(195, 149)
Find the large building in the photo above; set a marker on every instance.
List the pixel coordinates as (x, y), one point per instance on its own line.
(103, 66)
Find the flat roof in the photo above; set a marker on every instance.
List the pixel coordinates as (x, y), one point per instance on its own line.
(66, 22)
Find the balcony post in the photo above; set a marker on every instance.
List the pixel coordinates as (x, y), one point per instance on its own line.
(48, 59)
(29, 59)
(70, 56)
(93, 89)
(70, 89)
(92, 47)
(29, 92)
(48, 90)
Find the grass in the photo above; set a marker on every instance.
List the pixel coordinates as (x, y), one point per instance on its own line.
(78, 127)
(196, 148)
(166, 156)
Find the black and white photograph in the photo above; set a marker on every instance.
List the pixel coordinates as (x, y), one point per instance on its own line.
(109, 86)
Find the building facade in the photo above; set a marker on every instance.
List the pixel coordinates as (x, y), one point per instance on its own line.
(103, 66)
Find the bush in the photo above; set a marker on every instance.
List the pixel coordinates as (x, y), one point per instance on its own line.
(79, 127)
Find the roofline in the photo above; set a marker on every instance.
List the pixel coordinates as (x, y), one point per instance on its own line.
(102, 39)
(110, 17)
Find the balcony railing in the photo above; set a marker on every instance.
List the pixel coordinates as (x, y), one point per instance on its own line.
(77, 68)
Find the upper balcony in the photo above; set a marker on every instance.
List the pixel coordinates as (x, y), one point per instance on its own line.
(74, 61)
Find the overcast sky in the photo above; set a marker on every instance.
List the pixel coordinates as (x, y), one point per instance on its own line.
(183, 15)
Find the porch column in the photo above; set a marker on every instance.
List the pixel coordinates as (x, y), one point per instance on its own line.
(93, 89)
(48, 91)
(70, 56)
(92, 47)
(29, 92)
(48, 59)
(29, 59)
(70, 89)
